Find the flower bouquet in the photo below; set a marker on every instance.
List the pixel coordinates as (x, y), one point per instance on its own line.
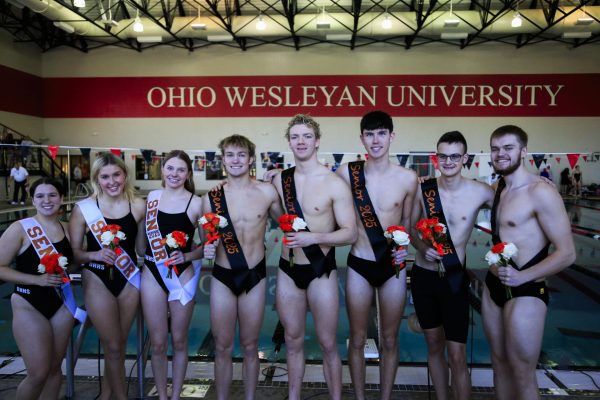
(291, 223)
(401, 238)
(500, 254)
(434, 233)
(174, 241)
(211, 224)
(111, 237)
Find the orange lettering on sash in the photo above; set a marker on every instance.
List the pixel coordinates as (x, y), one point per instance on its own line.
(159, 251)
(34, 232)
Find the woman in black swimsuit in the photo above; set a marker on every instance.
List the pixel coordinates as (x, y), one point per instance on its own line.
(41, 323)
(577, 180)
(111, 300)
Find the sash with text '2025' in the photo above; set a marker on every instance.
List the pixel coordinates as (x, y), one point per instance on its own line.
(433, 208)
(229, 240)
(313, 252)
(183, 293)
(367, 214)
(42, 246)
(95, 222)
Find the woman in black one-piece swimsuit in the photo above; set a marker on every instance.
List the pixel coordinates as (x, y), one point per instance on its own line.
(41, 323)
(178, 209)
(111, 301)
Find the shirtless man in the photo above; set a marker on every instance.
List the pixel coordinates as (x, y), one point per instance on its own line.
(384, 193)
(237, 289)
(530, 214)
(441, 301)
(321, 198)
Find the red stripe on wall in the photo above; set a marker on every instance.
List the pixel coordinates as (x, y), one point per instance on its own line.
(549, 95)
(20, 92)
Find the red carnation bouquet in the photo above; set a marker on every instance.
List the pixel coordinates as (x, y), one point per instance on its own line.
(401, 238)
(434, 233)
(111, 237)
(174, 241)
(55, 263)
(500, 254)
(211, 224)
(291, 223)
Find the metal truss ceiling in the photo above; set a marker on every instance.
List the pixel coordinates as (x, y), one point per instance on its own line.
(194, 24)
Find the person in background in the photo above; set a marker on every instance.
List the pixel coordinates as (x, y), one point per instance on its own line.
(565, 182)
(577, 181)
(18, 175)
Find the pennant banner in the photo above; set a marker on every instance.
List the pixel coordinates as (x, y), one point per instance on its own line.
(116, 152)
(148, 155)
(402, 159)
(210, 155)
(470, 161)
(573, 158)
(538, 158)
(85, 152)
(434, 160)
(53, 150)
(338, 158)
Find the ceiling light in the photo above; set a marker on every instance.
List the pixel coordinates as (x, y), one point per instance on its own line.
(454, 35)
(219, 38)
(451, 22)
(387, 22)
(323, 21)
(339, 37)
(517, 21)
(261, 25)
(576, 35)
(64, 26)
(149, 39)
(198, 26)
(137, 23)
(79, 3)
(584, 21)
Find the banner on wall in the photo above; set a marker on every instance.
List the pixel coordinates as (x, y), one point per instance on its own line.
(524, 95)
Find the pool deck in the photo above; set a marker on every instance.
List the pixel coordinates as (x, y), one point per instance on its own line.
(411, 382)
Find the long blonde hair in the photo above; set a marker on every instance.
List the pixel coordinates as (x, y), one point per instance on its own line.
(102, 161)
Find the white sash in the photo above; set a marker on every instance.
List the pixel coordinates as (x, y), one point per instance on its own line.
(42, 246)
(95, 222)
(183, 293)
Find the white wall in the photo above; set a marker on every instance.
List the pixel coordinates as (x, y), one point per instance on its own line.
(556, 134)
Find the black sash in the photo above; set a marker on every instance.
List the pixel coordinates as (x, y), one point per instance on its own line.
(367, 214)
(231, 244)
(433, 208)
(313, 252)
(496, 229)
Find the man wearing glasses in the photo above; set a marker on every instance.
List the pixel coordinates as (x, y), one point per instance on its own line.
(439, 282)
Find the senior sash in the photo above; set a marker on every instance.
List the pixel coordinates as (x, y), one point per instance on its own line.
(366, 212)
(313, 252)
(95, 222)
(42, 246)
(183, 293)
(433, 208)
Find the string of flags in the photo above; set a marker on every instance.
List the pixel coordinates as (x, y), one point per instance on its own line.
(535, 159)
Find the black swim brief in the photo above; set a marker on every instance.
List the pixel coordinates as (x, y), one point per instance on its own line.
(529, 289)
(436, 305)
(240, 280)
(375, 273)
(304, 274)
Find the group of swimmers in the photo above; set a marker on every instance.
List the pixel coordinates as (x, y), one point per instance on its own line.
(353, 206)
